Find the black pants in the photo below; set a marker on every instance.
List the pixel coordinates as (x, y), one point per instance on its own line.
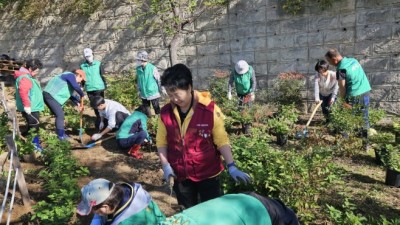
(155, 103)
(190, 193)
(32, 121)
(136, 139)
(279, 213)
(55, 108)
(92, 94)
(119, 119)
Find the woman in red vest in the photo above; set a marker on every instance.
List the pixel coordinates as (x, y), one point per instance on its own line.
(191, 138)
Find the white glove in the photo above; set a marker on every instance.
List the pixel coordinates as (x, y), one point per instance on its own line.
(28, 110)
(229, 96)
(168, 171)
(101, 125)
(252, 96)
(96, 137)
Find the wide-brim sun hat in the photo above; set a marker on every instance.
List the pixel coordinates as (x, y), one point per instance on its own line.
(142, 56)
(87, 52)
(241, 67)
(94, 193)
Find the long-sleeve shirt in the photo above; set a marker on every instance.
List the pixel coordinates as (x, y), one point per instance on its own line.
(325, 85)
(112, 107)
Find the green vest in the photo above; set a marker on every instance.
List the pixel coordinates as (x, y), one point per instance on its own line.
(35, 95)
(356, 81)
(243, 81)
(93, 78)
(148, 216)
(123, 131)
(147, 83)
(59, 89)
(231, 209)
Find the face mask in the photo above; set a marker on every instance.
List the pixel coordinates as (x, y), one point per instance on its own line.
(138, 63)
(89, 58)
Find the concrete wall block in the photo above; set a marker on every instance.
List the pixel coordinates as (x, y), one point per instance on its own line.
(248, 56)
(213, 61)
(154, 42)
(207, 49)
(363, 48)
(372, 4)
(374, 64)
(323, 22)
(95, 25)
(259, 14)
(385, 93)
(118, 24)
(213, 35)
(273, 27)
(281, 41)
(261, 69)
(124, 10)
(384, 78)
(347, 20)
(201, 37)
(261, 57)
(395, 63)
(396, 14)
(387, 47)
(294, 26)
(374, 16)
(293, 54)
(189, 50)
(339, 36)
(236, 45)
(373, 32)
(272, 13)
(396, 30)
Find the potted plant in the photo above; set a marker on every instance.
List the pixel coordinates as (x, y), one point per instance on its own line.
(281, 124)
(379, 141)
(391, 160)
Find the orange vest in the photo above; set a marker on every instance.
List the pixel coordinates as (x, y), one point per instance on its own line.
(194, 157)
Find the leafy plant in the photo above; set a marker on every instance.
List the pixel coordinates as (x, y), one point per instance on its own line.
(122, 88)
(284, 119)
(4, 128)
(345, 215)
(295, 6)
(391, 157)
(287, 89)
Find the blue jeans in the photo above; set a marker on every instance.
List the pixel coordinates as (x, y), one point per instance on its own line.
(137, 138)
(363, 104)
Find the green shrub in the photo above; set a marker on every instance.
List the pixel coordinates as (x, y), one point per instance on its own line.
(287, 89)
(122, 88)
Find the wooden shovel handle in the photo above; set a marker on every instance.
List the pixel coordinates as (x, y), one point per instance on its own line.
(81, 119)
(313, 113)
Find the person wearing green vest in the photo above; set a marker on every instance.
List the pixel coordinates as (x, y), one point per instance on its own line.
(95, 83)
(148, 83)
(244, 79)
(118, 203)
(354, 86)
(133, 133)
(28, 96)
(58, 90)
(124, 203)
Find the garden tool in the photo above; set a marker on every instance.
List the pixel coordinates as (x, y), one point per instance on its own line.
(91, 144)
(304, 133)
(81, 123)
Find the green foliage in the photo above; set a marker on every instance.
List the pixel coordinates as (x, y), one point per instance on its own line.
(382, 138)
(284, 120)
(33, 9)
(391, 157)
(4, 129)
(345, 215)
(287, 88)
(123, 89)
(4, 3)
(61, 177)
(295, 6)
(170, 17)
(72, 116)
(297, 178)
(25, 147)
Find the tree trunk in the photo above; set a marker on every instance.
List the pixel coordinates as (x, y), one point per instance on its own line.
(173, 48)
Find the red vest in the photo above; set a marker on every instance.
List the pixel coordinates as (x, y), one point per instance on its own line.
(194, 157)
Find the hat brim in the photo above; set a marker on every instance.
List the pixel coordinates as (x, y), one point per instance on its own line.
(83, 208)
(243, 71)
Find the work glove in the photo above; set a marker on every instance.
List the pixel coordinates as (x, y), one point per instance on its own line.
(96, 137)
(238, 175)
(101, 125)
(28, 110)
(168, 171)
(252, 96)
(229, 96)
(317, 101)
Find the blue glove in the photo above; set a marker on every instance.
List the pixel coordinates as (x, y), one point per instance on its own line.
(168, 171)
(97, 220)
(238, 175)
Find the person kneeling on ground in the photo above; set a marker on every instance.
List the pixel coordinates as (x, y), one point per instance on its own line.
(112, 115)
(124, 203)
(57, 91)
(133, 132)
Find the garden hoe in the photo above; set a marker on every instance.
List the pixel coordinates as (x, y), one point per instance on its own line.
(91, 144)
(304, 133)
(80, 124)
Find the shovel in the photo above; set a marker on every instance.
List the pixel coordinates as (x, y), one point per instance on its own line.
(94, 143)
(304, 133)
(81, 123)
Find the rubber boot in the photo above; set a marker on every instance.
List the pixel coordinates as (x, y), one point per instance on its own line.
(134, 152)
(61, 135)
(36, 142)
